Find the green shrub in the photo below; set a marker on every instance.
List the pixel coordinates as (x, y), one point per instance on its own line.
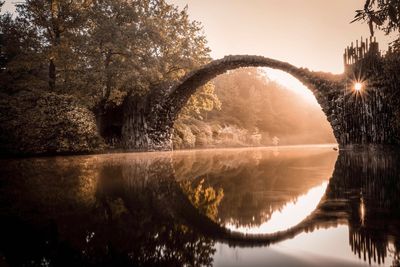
(42, 123)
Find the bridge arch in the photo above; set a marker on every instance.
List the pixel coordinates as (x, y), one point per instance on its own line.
(320, 84)
(356, 118)
(324, 86)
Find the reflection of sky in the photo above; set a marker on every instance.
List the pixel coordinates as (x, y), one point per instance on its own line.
(258, 184)
(290, 215)
(324, 247)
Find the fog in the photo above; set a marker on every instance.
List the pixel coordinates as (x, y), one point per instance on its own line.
(255, 110)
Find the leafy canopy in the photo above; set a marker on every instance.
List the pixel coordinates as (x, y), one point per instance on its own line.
(382, 14)
(99, 50)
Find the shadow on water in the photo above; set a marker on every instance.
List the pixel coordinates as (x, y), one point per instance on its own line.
(171, 209)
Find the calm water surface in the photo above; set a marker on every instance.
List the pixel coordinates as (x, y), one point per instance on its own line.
(286, 206)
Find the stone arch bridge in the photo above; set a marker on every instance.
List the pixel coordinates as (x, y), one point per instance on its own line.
(357, 118)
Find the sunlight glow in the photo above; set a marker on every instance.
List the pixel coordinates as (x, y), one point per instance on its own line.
(362, 211)
(290, 215)
(358, 86)
(291, 83)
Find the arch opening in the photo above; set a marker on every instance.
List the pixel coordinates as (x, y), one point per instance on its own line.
(260, 106)
(149, 126)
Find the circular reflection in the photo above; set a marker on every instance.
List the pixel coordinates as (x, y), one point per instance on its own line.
(133, 204)
(289, 216)
(256, 191)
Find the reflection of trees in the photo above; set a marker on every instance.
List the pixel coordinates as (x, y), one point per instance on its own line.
(370, 182)
(205, 199)
(126, 218)
(255, 182)
(367, 246)
(117, 210)
(162, 239)
(362, 192)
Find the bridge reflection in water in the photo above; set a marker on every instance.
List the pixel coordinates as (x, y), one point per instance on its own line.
(180, 208)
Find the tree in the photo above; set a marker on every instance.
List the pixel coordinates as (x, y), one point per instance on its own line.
(2, 54)
(118, 57)
(53, 21)
(136, 49)
(383, 14)
(203, 101)
(21, 55)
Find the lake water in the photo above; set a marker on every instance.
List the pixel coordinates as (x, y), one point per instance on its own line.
(286, 206)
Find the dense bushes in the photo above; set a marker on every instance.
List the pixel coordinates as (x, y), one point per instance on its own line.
(40, 123)
(195, 133)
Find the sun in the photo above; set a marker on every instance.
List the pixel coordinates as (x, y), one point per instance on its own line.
(358, 87)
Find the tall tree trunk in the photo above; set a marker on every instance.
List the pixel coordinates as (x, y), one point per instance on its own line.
(56, 33)
(108, 75)
(102, 121)
(52, 75)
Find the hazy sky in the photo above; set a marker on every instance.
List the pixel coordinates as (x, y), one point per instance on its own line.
(306, 33)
